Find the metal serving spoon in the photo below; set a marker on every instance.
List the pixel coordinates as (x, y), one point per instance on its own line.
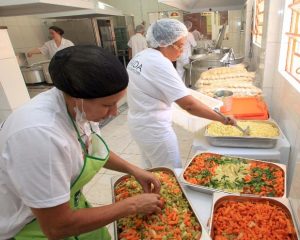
(246, 131)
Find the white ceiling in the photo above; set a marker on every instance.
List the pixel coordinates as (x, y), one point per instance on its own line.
(29, 7)
(204, 5)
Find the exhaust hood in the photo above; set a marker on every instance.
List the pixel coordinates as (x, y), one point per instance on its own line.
(30, 7)
(195, 6)
(99, 9)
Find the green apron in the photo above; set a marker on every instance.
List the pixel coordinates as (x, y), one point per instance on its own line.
(94, 160)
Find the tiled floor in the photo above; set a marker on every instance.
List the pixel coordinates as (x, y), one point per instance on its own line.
(117, 135)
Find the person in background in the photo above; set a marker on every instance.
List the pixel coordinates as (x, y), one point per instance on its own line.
(51, 47)
(51, 147)
(137, 42)
(154, 85)
(186, 52)
(197, 35)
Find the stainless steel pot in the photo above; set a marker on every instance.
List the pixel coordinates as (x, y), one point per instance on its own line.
(33, 75)
(46, 72)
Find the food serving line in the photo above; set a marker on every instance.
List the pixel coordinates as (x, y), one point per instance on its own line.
(235, 186)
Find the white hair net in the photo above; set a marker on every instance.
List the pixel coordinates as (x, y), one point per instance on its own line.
(188, 24)
(165, 32)
(139, 29)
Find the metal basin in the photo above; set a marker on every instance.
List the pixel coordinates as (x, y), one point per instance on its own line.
(199, 51)
(33, 75)
(203, 62)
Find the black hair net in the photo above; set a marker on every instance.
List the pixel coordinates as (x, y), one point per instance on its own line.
(87, 72)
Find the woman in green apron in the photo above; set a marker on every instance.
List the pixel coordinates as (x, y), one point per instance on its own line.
(51, 147)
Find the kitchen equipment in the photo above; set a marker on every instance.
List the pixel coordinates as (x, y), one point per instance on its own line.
(282, 203)
(244, 131)
(221, 37)
(191, 122)
(91, 29)
(115, 181)
(245, 141)
(22, 60)
(209, 190)
(45, 66)
(201, 64)
(248, 108)
(226, 97)
(33, 74)
(197, 51)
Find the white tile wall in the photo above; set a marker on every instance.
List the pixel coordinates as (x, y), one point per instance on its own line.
(12, 83)
(27, 32)
(285, 110)
(281, 96)
(6, 50)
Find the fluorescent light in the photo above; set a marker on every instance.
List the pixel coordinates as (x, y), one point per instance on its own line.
(101, 5)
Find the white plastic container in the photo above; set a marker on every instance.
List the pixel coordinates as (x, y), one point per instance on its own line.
(191, 122)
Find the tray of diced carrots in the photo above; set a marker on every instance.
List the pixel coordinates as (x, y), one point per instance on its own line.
(249, 218)
(177, 219)
(211, 172)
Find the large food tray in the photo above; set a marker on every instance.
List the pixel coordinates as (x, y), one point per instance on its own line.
(283, 203)
(117, 180)
(245, 141)
(209, 190)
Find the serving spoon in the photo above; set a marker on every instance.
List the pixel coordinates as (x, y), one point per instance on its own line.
(246, 131)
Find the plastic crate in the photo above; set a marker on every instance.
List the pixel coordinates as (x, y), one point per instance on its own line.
(191, 122)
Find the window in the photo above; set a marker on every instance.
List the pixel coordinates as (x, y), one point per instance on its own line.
(293, 52)
(258, 21)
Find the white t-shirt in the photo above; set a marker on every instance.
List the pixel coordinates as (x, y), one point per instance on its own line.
(50, 48)
(137, 43)
(39, 158)
(154, 85)
(187, 49)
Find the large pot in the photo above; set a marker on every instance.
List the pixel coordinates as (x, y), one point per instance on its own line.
(46, 72)
(33, 75)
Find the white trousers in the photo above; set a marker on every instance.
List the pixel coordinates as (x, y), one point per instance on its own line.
(160, 153)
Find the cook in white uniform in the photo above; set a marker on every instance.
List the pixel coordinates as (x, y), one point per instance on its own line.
(51, 47)
(187, 51)
(51, 147)
(154, 85)
(197, 35)
(137, 42)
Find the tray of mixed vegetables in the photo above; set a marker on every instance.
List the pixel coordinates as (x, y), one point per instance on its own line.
(211, 172)
(247, 218)
(176, 221)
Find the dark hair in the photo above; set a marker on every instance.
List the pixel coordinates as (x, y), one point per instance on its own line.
(87, 72)
(57, 29)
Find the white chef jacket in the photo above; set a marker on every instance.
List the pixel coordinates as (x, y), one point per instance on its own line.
(137, 43)
(50, 48)
(153, 86)
(186, 53)
(39, 158)
(187, 49)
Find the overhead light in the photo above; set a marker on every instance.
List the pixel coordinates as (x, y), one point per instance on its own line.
(174, 14)
(101, 5)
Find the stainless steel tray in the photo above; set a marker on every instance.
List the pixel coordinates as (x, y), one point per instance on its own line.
(115, 181)
(283, 203)
(208, 190)
(244, 141)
